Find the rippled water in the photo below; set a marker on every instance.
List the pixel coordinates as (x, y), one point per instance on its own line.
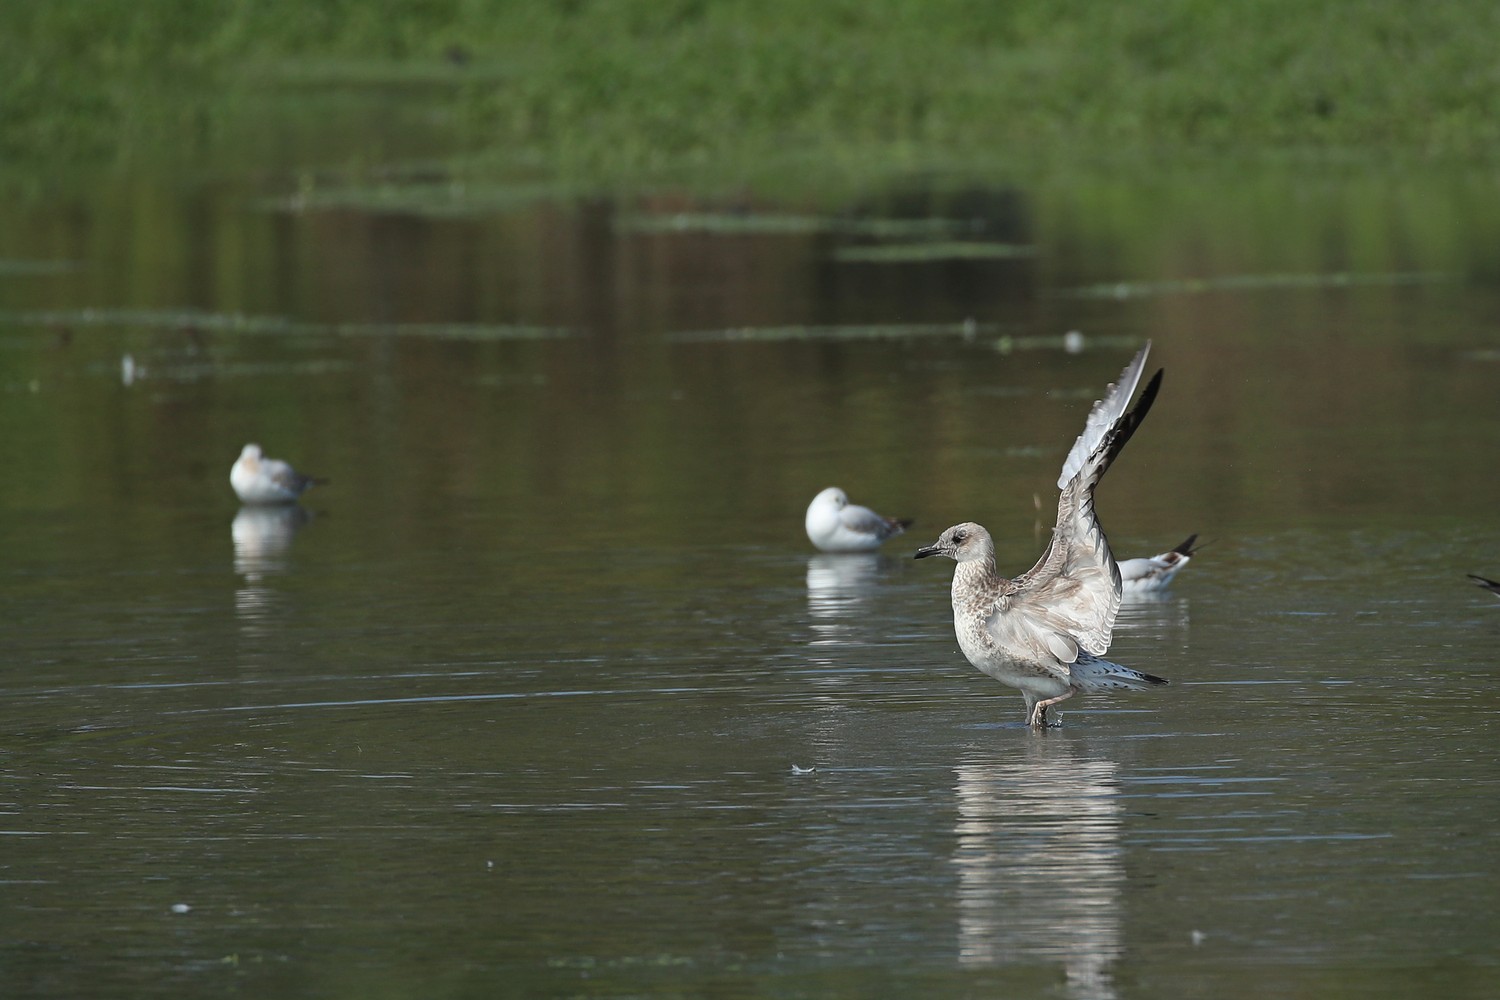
(546, 694)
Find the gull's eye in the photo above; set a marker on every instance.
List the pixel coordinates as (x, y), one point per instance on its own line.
(958, 537)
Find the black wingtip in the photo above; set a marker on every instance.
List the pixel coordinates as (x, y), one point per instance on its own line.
(1143, 405)
(1127, 424)
(1186, 548)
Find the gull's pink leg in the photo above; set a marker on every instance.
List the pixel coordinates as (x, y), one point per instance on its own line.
(1039, 713)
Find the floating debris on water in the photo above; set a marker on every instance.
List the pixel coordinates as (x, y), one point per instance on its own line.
(802, 770)
(891, 331)
(236, 323)
(1073, 342)
(446, 198)
(1247, 282)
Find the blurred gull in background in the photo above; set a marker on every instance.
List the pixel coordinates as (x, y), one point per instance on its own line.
(260, 480)
(835, 525)
(1152, 574)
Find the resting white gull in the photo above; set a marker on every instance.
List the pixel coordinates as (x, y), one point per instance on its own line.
(836, 525)
(260, 480)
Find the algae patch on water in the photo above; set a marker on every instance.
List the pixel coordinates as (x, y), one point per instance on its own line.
(918, 253)
(790, 224)
(436, 199)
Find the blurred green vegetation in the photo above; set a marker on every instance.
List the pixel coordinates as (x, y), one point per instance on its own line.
(621, 85)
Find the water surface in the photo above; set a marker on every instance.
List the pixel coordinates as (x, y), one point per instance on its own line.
(545, 692)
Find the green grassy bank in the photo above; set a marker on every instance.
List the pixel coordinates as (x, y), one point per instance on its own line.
(607, 85)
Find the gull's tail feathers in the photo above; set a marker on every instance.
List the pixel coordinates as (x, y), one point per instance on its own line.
(1090, 673)
(1187, 548)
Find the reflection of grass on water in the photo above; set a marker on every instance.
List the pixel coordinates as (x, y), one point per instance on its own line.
(650, 83)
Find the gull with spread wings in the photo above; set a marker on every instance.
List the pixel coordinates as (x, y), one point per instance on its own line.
(1046, 631)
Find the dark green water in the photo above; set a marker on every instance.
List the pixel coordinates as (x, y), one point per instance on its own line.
(515, 708)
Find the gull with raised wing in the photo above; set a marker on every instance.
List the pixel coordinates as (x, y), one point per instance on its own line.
(1046, 631)
(1152, 574)
(836, 525)
(260, 480)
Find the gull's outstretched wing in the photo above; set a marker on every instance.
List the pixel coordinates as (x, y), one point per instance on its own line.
(1068, 600)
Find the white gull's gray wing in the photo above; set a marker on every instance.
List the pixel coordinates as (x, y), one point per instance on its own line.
(283, 475)
(1068, 600)
(867, 522)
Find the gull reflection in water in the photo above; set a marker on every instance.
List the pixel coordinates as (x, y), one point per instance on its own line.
(839, 590)
(1158, 616)
(262, 536)
(836, 587)
(1040, 872)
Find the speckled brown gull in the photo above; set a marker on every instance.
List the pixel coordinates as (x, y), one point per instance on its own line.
(1152, 574)
(1046, 631)
(836, 525)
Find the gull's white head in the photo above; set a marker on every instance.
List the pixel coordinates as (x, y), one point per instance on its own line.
(834, 497)
(961, 543)
(251, 452)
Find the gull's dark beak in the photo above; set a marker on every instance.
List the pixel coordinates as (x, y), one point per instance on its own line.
(928, 550)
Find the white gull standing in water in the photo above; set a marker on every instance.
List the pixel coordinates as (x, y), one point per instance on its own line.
(1152, 574)
(1046, 631)
(836, 525)
(260, 480)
